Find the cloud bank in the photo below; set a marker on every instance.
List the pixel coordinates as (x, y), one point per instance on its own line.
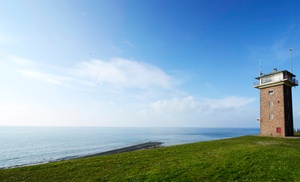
(203, 105)
(123, 73)
(132, 93)
(117, 73)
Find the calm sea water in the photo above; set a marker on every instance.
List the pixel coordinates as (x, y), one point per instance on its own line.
(31, 145)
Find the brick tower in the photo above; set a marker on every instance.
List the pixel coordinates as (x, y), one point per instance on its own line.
(276, 111)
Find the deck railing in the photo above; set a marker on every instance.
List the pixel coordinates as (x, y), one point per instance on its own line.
(294, 80)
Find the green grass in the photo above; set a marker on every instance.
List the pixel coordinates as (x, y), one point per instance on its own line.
(248, 158)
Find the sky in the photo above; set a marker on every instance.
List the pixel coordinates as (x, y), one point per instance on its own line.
(150, 63)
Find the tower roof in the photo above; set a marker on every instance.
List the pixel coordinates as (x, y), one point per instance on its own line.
(276, 78)
(276, 72)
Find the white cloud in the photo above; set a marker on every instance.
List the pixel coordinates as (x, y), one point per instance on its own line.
(116, 73)
(6, 38)
(22, 62)
(175, 104)
(50, 78)
(281, 50)
(128, 43)
(228, 102)
(189, 103)
(231, 111)
(41, 115)
(3, 39)
(122, 73)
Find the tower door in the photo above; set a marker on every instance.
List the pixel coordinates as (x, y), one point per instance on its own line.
(278, 130)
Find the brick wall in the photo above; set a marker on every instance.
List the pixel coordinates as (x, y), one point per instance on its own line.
(270, 126)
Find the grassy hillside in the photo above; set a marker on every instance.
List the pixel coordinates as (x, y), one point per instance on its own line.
(249, 158)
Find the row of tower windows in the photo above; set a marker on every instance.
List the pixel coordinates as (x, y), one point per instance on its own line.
(271, 116)
(271, 92)
(271, 104)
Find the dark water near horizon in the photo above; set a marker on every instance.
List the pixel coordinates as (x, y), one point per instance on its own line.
(32, 145)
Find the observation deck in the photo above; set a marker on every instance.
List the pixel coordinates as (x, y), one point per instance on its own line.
(276, 78)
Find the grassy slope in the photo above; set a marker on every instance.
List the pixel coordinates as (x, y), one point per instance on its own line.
(249, 158)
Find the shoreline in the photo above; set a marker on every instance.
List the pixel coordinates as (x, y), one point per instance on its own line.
(147, 145)
(142, 146)
(169, 137)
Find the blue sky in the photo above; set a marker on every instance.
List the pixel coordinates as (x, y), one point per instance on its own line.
(142, 63)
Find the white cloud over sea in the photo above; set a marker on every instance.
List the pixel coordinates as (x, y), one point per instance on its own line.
(117, 73)
(123, 73)
(202, 105)
(51, 78)
(117, 92)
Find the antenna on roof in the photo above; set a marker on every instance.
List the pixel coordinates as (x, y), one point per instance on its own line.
(260, 69)
(291, 50)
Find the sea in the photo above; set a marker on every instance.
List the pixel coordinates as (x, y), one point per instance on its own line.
(23, 146)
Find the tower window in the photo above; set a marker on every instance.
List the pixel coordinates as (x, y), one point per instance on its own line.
(271, 116)
(271, 104)
(271, 92)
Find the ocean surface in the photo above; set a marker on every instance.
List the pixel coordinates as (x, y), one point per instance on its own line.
(21, 146)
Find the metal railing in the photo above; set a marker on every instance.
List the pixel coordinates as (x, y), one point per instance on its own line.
(255, 84)
(294, 80)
